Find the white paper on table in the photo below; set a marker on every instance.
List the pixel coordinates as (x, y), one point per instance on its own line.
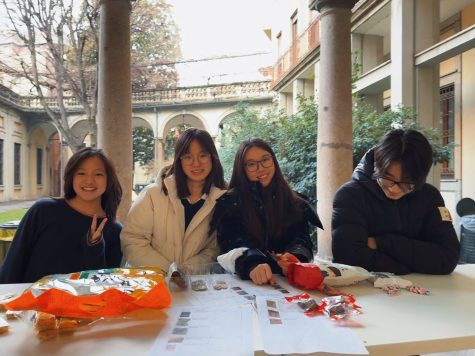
(285, 329)
(217, 298)
(207, 331)
(238, 291)
(279, 290)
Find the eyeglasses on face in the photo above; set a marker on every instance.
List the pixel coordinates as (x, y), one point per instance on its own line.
(252, 166)
(387, 183)
(188, 159)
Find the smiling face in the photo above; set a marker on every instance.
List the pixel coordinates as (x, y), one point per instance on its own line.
(90, 181)
(196, 163)
(253, 165)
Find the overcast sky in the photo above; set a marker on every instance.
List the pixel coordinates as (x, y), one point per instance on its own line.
(215, 28)
(211, 28)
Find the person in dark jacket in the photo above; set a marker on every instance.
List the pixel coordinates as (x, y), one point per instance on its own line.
(387, 218)
(78, 232)
(261, 216)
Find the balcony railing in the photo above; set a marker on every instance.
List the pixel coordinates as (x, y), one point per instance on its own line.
(300, 48)
(206, 93)
(203, 93)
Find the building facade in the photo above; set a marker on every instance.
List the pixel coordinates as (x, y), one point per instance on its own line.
(33, 155)
(416, 53)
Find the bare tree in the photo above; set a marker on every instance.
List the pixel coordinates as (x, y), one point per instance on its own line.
(61, 37)
(57, 36)
(155, 45)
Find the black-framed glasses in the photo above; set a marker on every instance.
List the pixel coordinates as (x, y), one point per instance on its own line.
(252, 166)
(188, 159)
(388, 183)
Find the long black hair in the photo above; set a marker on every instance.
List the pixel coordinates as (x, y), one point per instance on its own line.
(110, 200)
(282, 206)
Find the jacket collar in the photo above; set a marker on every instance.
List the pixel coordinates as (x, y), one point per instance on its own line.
(363, 174)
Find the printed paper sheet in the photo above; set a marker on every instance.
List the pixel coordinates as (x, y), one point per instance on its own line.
(207, 331)
(286, 329)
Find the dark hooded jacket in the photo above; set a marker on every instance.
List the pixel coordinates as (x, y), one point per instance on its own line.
(231, 232)
(413, 234)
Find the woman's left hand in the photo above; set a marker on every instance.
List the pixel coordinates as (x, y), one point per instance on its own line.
(285, 260)
(95, 232)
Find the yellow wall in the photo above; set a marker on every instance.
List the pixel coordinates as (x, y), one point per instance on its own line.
(468, 16)
(450, 65)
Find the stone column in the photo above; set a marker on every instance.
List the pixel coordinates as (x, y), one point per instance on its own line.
(284, 103)
(334, 151)
(159, 155)
(402, 53)
(417, 88)
(114, 109)
(427, 77)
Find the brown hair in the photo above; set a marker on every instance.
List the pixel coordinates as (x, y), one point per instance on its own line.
(110, 200)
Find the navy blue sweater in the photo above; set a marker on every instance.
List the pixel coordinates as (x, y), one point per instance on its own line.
(52, 239)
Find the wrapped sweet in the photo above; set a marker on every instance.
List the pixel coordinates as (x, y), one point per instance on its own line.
(4, 326)
(339, 307)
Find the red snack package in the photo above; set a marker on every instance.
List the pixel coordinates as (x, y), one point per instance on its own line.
(305, 275)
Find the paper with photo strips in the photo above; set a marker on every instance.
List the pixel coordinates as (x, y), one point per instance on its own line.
(236, 291)
(207, 331)
(285, 329)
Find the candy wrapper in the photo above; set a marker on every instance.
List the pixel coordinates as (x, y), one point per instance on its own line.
(339, 307)
(4, 299)
(393, 285)
(48, 326)
(96, 294)
(4, 326)
(335, 307)
(306, 303)
(418, 290)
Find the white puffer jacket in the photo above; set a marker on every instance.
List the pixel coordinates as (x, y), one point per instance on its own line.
(154, 231)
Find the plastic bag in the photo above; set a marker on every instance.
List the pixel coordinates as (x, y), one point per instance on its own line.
(96, 293)
(337, 274)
